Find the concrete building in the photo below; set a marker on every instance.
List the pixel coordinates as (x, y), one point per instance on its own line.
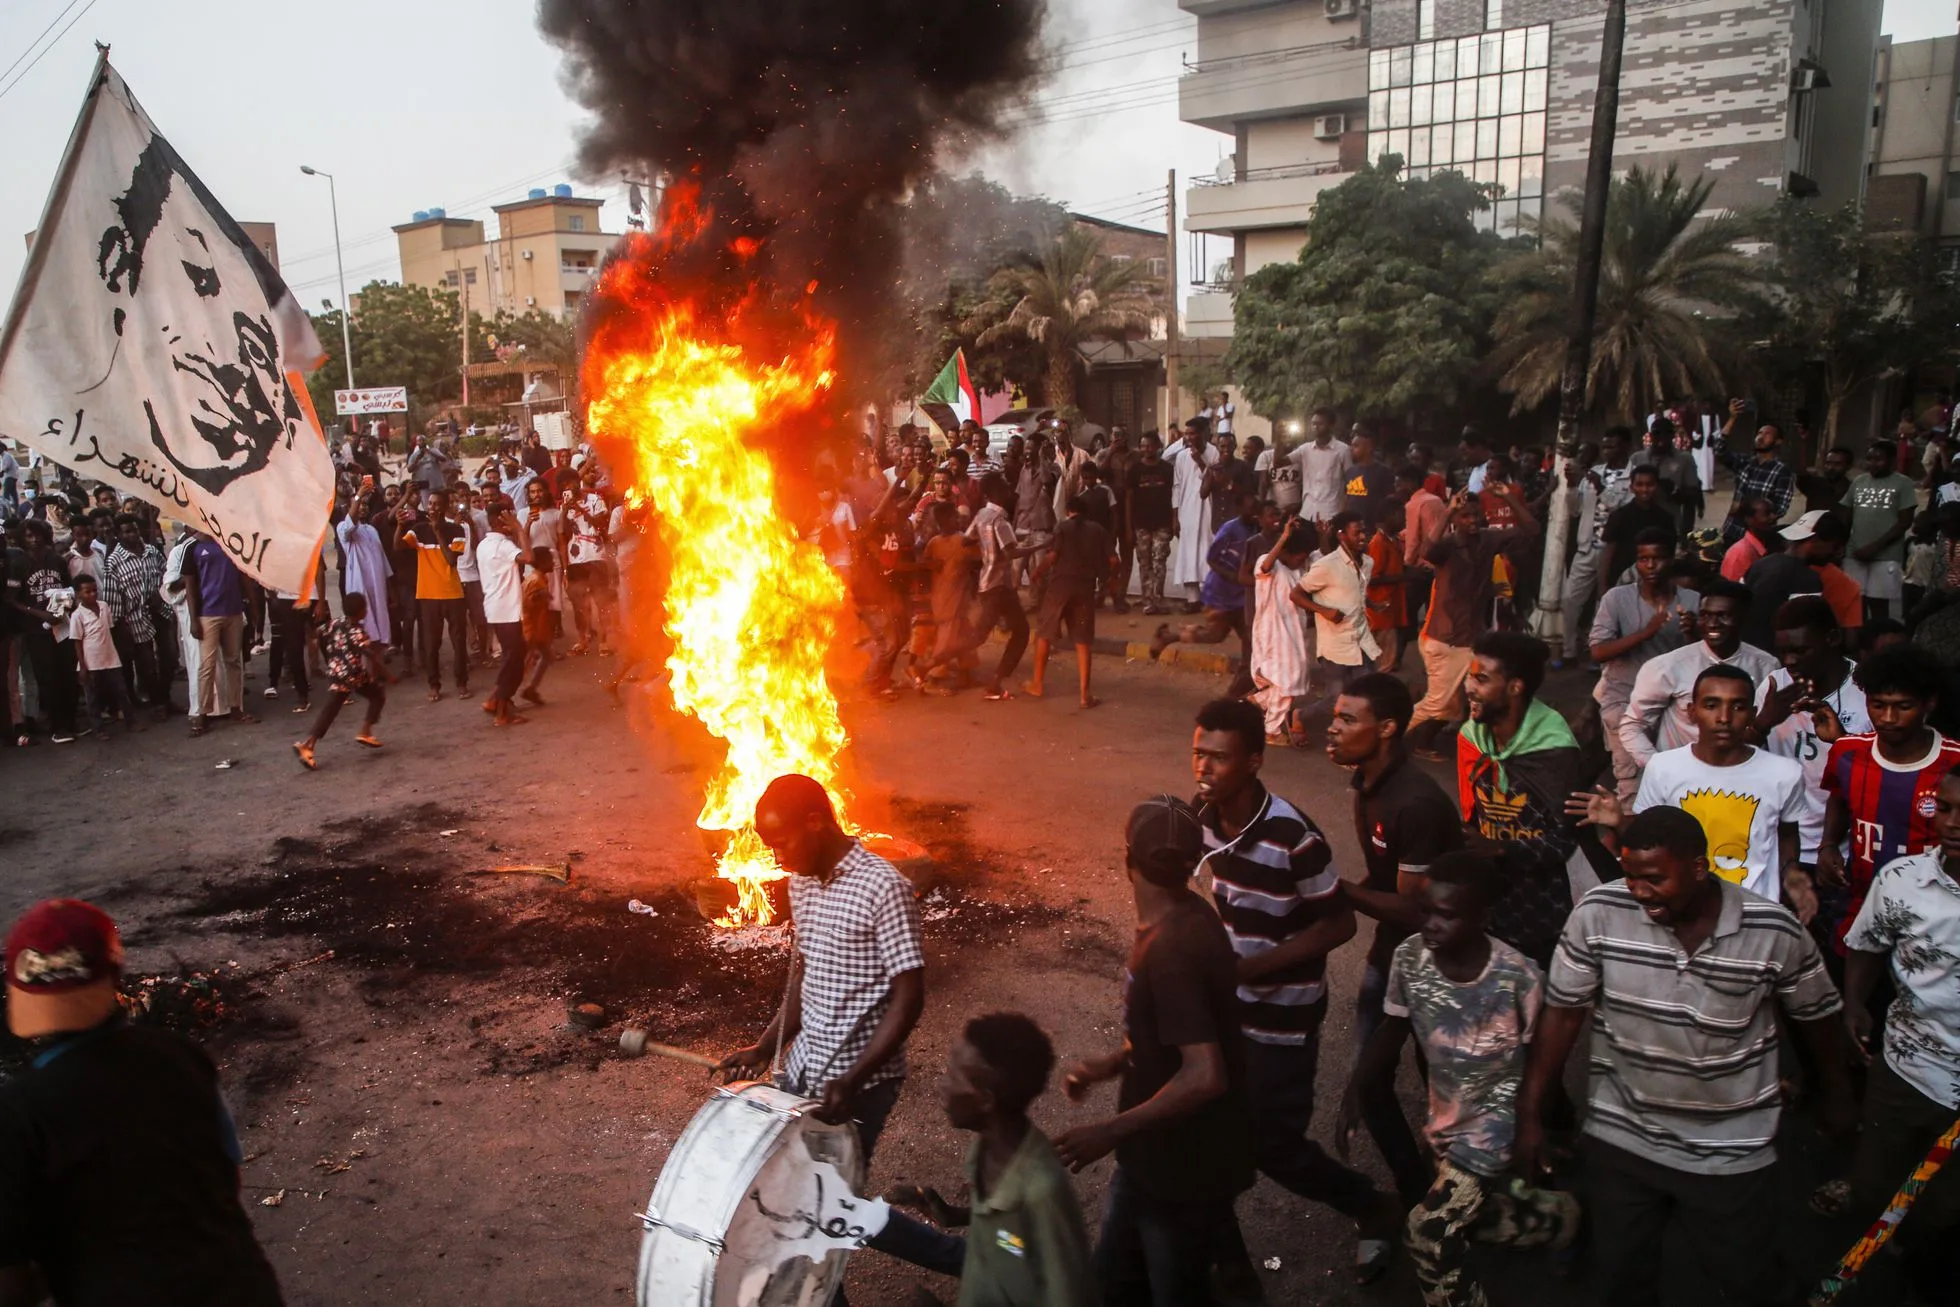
(1915, 183)
(1288, 82)
(1767, 97)
(544, 256)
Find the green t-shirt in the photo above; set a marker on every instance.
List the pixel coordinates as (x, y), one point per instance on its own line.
(1026, 1245)
(1875, 504)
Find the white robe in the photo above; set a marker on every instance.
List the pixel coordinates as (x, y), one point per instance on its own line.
(1193, 514)
(1282, 658)
(367, 574)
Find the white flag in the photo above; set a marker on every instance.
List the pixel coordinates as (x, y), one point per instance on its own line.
(153, 347)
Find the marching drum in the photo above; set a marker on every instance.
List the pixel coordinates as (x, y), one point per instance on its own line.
(756, 1206)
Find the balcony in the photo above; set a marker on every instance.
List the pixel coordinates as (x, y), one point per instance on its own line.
(1208, 313)
(575, 278)
(1264, 197)
(1323, 77)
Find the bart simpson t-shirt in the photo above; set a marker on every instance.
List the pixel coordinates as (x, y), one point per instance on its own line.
(1739, 807)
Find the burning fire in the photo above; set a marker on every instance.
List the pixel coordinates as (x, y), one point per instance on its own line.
(676, 387)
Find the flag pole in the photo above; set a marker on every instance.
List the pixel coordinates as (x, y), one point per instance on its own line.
(30, 274)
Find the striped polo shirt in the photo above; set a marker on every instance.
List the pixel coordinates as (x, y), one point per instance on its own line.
(1684, 1048)
(1270, 883)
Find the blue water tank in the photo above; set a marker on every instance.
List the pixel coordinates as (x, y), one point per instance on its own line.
(562, 191)
(438, 213)
(537, 193)
(421, 215)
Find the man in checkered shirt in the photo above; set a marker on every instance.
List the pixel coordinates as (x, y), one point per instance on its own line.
(856, 989)
(1760, 476)
(857, 986)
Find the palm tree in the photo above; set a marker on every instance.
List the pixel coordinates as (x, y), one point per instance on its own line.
(1663, 270)
(1070, 296)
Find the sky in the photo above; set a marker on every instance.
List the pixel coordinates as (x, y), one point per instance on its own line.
(414, 104)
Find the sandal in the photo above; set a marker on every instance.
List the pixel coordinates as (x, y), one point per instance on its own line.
(306, 756)
(514, 719)
(198, 728)
(368, 740)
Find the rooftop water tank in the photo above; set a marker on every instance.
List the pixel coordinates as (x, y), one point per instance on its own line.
(438, 213)
(537, 193)
(421, 215)
(562, 191)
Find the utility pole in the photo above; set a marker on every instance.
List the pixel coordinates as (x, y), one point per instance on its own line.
(1170, 308)
(466, 344)
(1550, 617)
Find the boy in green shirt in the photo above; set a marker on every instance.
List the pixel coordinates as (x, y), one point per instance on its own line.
(1026, 1244)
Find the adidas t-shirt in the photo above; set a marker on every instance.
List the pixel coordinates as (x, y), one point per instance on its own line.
(1738, 807)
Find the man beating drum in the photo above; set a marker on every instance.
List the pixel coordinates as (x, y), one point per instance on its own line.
(856, 986)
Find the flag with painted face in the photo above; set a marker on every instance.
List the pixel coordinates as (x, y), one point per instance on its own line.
(153, 347)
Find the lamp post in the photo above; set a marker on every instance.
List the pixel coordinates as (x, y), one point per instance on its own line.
(340, 268)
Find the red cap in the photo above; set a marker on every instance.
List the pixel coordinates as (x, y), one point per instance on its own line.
(60, 945)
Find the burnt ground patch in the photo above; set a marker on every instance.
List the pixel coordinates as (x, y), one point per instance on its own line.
(391, 900)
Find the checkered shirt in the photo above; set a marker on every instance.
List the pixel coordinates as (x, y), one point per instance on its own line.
(126, 585)
(1772, 481)
(855, 933)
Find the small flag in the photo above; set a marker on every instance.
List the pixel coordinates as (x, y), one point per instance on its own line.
(953, 391)
(153, 347)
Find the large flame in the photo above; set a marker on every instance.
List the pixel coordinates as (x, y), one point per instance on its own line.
(676, 395)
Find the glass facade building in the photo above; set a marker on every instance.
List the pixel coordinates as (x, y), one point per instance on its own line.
(1474, 104)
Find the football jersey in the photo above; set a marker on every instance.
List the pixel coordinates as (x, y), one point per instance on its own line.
(1891, 804)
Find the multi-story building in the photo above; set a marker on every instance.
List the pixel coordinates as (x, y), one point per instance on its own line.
(1288, 82)
(1915, 180)
(1769, 97)
(544, 256)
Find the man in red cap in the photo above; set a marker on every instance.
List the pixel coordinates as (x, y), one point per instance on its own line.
(118, 1160)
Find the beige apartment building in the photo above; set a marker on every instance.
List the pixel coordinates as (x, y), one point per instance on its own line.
(1915, 180)
(544, 256)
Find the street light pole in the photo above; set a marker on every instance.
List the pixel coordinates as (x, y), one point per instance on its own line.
(340, 269)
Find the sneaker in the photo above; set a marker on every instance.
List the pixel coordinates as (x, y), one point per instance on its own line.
(272, 692)
(62, 739)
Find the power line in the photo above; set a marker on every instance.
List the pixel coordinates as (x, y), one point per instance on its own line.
(22, 75)
(37, 40)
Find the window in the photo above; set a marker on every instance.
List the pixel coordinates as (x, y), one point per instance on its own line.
(452, 278)
(469, 276)
(1493, 15)
(578, 222)
(1425, 20)
(1475, 105)
(1160, 267)
(1953, 186)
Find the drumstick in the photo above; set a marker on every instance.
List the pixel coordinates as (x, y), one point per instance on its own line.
(633, 1043)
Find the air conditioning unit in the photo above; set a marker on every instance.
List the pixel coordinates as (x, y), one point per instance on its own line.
(530, 301)
(1343, 8)
(527, 256)
(1808, 76)
(1330, 127)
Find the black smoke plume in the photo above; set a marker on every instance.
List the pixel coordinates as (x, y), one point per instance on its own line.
(805, 122)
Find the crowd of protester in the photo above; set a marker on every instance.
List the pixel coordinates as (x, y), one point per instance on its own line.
(1739, 869)
(110, 623)
(1752, 833)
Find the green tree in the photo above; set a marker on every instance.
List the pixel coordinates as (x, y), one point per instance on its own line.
(403, 336)
(1842, 307)
(1666, 275)
(1065, 298)
(1385, 310)
(535, 338)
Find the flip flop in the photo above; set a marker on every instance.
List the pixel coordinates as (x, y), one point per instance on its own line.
(1092, 702)
(306, 757)
(367, 740)
(515, 719)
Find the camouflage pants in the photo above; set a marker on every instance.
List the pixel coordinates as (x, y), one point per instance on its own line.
(1462, 1206)
(1153, 550)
